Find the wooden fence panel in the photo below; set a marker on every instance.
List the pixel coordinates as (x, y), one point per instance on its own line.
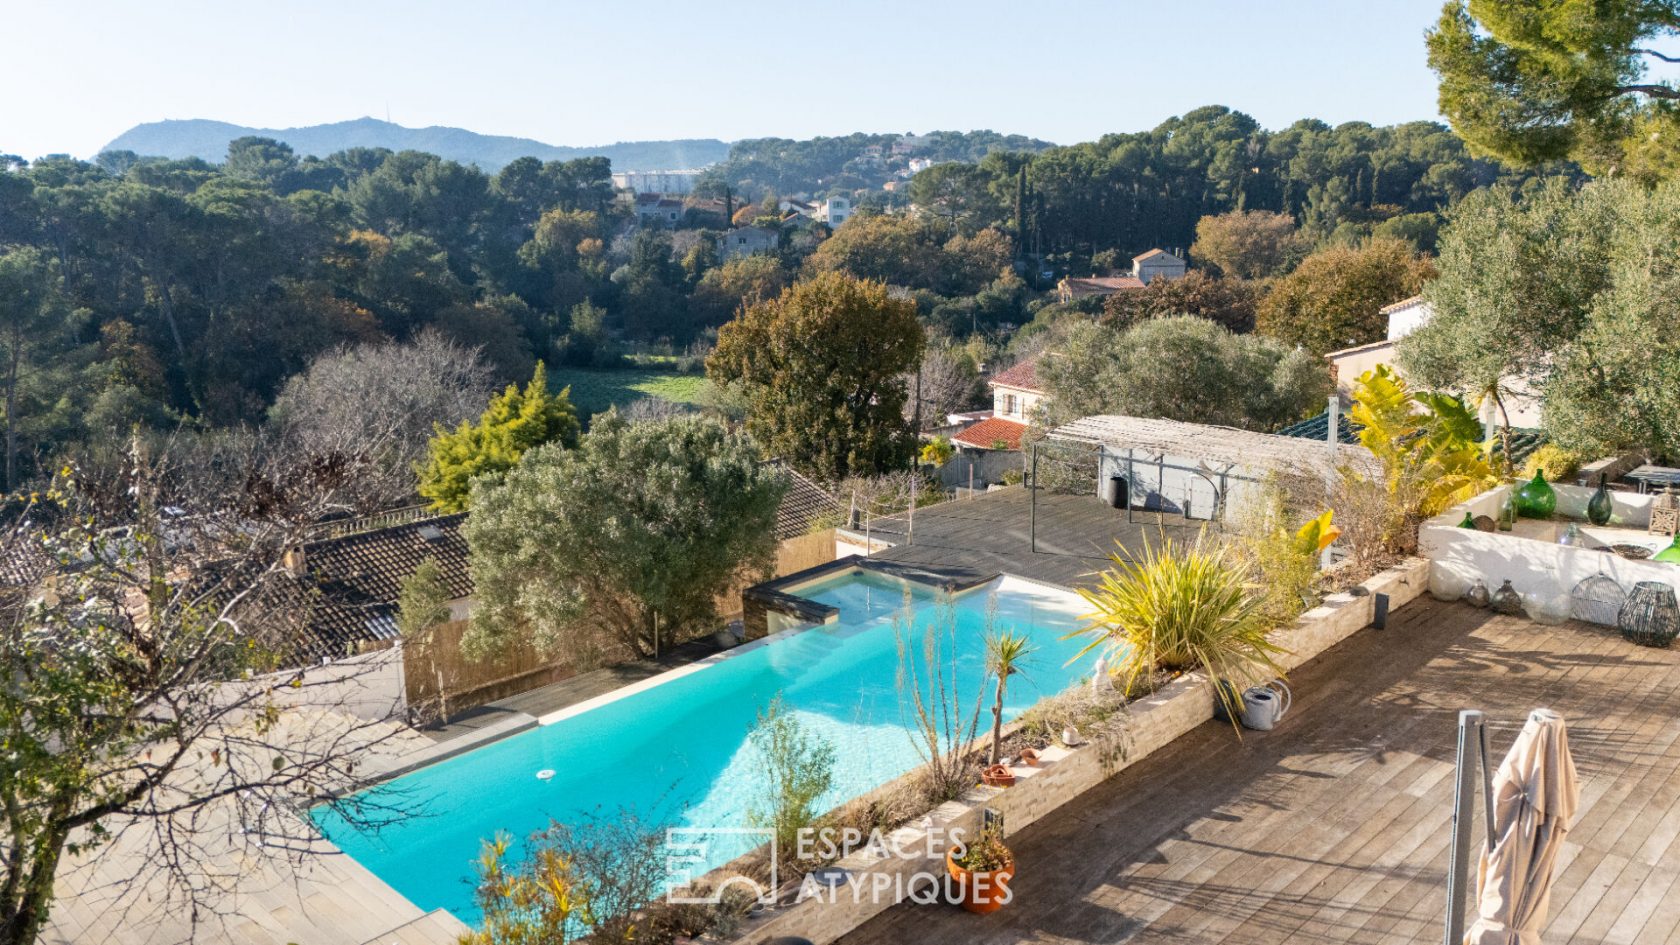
(466, 683)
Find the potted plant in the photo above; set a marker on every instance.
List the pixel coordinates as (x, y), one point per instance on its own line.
(982, 871)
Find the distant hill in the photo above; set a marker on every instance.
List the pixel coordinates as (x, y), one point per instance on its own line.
(209, 139)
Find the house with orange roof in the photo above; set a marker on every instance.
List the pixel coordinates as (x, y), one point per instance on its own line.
(1015, 395)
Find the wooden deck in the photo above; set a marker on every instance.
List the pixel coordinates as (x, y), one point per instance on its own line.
(1335, 827)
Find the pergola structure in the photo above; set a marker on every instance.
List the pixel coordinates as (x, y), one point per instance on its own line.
(1194, 470)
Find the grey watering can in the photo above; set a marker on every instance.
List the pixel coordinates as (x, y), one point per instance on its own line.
(1265, 706)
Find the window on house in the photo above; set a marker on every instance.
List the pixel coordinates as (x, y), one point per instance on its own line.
(1009, 404)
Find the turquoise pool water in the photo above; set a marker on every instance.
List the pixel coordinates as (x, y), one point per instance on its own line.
(677, 752)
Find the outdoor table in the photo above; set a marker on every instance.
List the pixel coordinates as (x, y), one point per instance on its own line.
(1655, 477)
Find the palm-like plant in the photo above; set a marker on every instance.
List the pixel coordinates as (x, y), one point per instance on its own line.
(1434, 449)
(1178, 608)
(1006, 653)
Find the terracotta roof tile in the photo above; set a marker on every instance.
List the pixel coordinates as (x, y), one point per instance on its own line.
(988, 434)
(805, 505)
(1023, 375)
(353, 580)
(1099, 285)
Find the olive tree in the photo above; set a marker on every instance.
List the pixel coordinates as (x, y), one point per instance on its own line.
(1181, 368)
(1566, 293)
(622, 543)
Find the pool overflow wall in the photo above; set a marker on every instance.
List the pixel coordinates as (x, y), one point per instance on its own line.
(775, 605)
(877, 880)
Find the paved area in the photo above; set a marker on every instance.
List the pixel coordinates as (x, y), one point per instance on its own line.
(244, 893)
(1335, 827)
(995, 533)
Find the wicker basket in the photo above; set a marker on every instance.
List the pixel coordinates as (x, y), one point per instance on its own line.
(1650, 616)
(1597, 599)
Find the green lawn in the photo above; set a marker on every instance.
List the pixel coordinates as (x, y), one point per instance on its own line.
(596, 389)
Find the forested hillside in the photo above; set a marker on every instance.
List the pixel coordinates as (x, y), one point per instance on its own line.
(163, 292)
(1133, 191)
(207, 140)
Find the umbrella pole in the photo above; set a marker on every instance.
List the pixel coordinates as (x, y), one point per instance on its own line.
(1472, 747)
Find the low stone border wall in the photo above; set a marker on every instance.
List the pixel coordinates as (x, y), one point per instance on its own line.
(877, 882)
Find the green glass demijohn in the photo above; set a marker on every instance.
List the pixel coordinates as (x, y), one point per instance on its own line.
(1671, 554)
(1598, 507)
(1535, 499)
(1469, 521)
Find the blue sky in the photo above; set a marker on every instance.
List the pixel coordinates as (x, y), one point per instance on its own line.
(592, 73)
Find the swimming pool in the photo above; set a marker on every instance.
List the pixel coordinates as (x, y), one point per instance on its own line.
(676, 750)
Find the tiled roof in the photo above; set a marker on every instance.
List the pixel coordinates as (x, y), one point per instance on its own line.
(1023, 375)
(1154, 253)
(1403, 303)
(1099, 285)
(988, 434)
(805, 505)
(1523, 440)
(355, 580)
(1314, 428)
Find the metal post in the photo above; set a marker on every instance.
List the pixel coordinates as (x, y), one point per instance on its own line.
(910, 527)
(1032, 502)
(1471, 739)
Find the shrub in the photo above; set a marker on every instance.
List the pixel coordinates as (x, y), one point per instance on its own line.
(1429, 455)
(594, 879)
(938, 451)
(1179, 608)
(987, 854)
(944, 723)
(800, 766)
(1282, 561)
(1558, 463)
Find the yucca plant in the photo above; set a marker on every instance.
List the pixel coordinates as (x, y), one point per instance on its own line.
(1006, 653)
(1179, 607)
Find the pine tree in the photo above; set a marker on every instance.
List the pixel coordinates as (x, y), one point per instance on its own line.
(515, 421)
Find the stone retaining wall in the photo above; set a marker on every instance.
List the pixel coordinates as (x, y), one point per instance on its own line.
(1065, 774)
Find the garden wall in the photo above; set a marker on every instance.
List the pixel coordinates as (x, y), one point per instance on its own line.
(1066, 774)
(1529, 556)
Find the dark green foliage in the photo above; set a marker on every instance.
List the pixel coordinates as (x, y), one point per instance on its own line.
(625, 541)
(822, 370)
(1540, 80)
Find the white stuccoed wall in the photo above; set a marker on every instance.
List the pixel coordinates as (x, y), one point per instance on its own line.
(1529, 556)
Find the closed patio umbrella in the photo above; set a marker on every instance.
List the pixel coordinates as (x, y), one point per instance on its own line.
(1535, 794)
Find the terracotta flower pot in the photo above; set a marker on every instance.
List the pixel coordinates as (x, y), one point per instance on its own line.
(1029, 757)
(980, 892)
(997, 776)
